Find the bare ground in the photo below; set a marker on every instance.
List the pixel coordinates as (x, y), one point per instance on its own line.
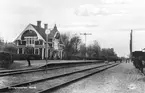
(123, 78)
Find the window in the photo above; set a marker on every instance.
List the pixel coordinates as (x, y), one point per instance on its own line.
(50, 45)
(30, 40)
(27, 41)
(21, 42)
(20, 50)
(41, 42)
(36, 42)
(37, 51)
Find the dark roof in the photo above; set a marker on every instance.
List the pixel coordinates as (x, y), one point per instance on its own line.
(41, 31)
(138, 53)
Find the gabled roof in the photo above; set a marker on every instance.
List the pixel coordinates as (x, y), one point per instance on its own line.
(54, 33)
(41, 31)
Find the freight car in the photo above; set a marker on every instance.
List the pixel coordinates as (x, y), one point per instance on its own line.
(138, 58)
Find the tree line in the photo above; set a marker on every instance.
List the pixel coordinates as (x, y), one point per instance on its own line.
(7, 46)
(73, 46)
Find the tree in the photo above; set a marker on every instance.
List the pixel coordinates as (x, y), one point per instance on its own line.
(1, 41)
(90, 51)
(1, 44)
(82, 50)
(75, 42)
(10, 47)
(71, 44)
(108, 53)
(94, 50)
(65, 38)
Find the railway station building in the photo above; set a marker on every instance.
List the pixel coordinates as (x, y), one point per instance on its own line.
(34, 37)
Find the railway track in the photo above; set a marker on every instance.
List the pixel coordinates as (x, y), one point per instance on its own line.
(46, 85)
(49, 67)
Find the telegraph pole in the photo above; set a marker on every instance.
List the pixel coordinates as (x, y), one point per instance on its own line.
(85, 34)
(131, 44)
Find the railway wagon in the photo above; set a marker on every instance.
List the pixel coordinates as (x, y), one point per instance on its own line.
(138, 58)
(138, 53)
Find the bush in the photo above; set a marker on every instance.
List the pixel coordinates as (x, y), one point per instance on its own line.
(34, 57)
(25, 56)
(18, 57)
(5, 59)
(113, 58)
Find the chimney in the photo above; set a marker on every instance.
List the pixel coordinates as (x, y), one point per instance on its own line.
(45, 26)
(39, 24)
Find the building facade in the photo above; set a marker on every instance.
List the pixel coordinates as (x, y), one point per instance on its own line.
(34, 38)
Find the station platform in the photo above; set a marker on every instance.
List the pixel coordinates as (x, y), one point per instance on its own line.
(23, 64)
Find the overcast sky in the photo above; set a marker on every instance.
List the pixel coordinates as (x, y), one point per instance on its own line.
(109, 21)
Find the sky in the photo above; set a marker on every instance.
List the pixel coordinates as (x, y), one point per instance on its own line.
(108, 21)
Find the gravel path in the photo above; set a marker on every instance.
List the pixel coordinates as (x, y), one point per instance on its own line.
(123, 78)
